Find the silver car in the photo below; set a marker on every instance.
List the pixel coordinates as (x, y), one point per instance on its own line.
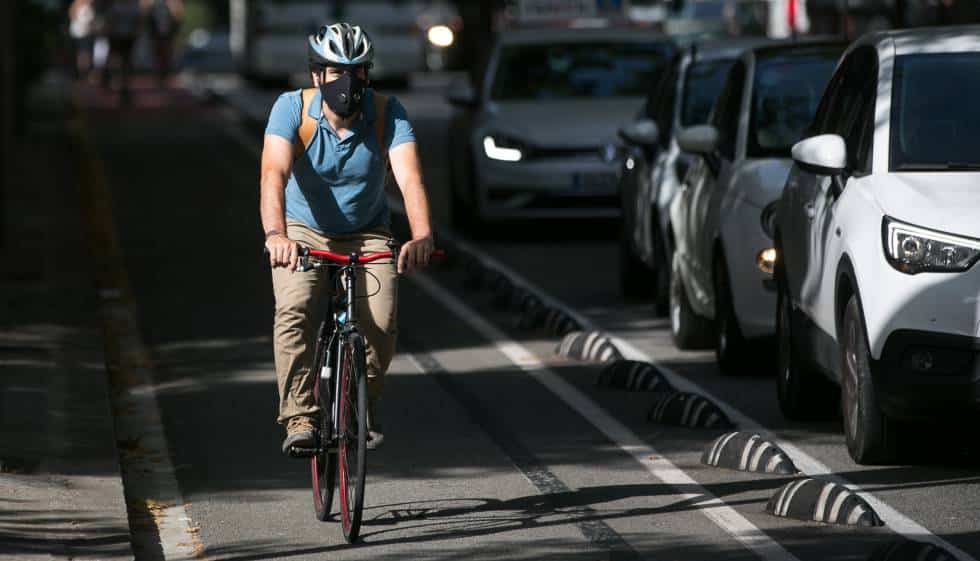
(768, 100)
(526, 143)
(654, 166)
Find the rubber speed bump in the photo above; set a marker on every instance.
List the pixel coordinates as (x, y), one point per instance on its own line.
(560, 323)
(503, 291)
(822, 501)
(688, 410)
(746, 451)
(588, 345)
(634, 376)
(904, 549)
(531, 311)
(474, 275)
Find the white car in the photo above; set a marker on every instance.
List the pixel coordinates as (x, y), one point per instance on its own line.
(526, 144)
(769, 98)
(877, 234)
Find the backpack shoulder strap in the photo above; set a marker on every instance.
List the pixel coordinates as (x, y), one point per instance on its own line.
(380, 119)
(306, 124)
(380, 109)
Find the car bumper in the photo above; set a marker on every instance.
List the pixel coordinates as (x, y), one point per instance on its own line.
(924, 374)
(572, 187)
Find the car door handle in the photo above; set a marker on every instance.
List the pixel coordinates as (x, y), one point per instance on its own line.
(810, 210)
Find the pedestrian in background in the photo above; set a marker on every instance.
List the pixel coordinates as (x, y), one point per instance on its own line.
(81, 27)
(123, 24)
(163, 19)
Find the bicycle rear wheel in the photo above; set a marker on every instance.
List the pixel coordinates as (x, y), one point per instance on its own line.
(352, 431)
(323, 465)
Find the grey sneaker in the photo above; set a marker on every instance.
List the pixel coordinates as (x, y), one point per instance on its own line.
(300, 433)
(375, 436)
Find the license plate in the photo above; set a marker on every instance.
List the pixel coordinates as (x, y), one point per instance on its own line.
(593, 184)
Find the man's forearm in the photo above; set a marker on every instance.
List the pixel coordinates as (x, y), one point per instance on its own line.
(417, 210)
(272, 203)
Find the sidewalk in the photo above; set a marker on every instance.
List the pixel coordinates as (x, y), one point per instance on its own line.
(61, 495)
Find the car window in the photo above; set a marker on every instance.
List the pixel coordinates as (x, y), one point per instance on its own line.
(850, 111)
(578, 70)
(786, 91)
(664, 115)
(935, 120)
(727, 110)
(702, 84)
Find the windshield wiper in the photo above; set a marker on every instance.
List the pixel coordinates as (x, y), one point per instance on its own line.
(947, 166)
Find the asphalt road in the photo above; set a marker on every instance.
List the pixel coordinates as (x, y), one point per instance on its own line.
(496, 448)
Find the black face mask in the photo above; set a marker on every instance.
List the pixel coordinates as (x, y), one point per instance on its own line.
(344, 95)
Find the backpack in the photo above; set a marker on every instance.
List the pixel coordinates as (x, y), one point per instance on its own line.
(307, 125)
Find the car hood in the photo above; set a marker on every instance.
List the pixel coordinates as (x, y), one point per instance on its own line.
(945, 201)
(760, 182)
(577, 123)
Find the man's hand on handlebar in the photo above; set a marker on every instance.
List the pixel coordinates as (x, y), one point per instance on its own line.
(415, 254)
(283, 252)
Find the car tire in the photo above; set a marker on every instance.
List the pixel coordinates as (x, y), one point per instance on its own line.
(870, 435)
(463, 214)
(730, 345)
(804, 393)
(635, 278)
(688, 329)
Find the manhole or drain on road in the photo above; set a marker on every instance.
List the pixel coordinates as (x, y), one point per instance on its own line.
(746, 451)
(588, 345)
(904, 549)
(633, 375)
(688, 410)
(822, 501)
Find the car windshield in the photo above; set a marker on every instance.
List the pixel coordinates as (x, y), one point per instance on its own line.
(578, 70)
(935, 121)
(701, 86)
(785, 95)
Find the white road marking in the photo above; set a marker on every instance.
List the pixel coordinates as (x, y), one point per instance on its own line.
(724, 516)
(807, 464)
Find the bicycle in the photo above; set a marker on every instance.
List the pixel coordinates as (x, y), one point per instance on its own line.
(341, 449)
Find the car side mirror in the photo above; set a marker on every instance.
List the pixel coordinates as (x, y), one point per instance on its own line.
(461, 94)
(643, 132)
(825, 154)
(700, 139)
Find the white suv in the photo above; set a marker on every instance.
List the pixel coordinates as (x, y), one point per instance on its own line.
(877, 234)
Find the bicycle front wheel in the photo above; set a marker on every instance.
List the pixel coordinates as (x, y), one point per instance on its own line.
(352, 430)
(323, 465)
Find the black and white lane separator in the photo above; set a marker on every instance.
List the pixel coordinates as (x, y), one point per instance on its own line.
(748, 451)
(824, 501)
(594, 346)
(633, 375)
(688, 410)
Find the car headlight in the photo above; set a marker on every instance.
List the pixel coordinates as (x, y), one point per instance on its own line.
(912, 249)
(497, 148)
(441, 36)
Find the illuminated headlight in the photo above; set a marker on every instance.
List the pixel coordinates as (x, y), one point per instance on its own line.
(498, 149)
(441, 36)
(766, 261)
(912, 249)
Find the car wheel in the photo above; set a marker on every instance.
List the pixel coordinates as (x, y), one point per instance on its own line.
(871, 438)
(730, 345)
(635, 278)
(464, 215)
(689, 330)
(804, 393)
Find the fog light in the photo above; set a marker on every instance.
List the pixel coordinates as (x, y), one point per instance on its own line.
(766, 261)
(441, 36)
(922, 361)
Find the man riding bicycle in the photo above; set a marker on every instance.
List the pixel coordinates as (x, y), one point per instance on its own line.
(324, 162)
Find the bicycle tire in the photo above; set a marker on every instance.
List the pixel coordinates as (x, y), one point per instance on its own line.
(352, 434)
(323, 465)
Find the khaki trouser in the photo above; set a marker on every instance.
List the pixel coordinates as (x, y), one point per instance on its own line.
(301, 300)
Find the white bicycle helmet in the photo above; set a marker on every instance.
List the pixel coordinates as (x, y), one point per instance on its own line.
(341, 44)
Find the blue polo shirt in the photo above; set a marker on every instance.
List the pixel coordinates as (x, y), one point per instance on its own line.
(337, 185)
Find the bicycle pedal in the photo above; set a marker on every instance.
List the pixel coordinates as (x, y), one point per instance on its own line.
(302, 452)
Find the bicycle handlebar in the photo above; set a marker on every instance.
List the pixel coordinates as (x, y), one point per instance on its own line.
(342, 259)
